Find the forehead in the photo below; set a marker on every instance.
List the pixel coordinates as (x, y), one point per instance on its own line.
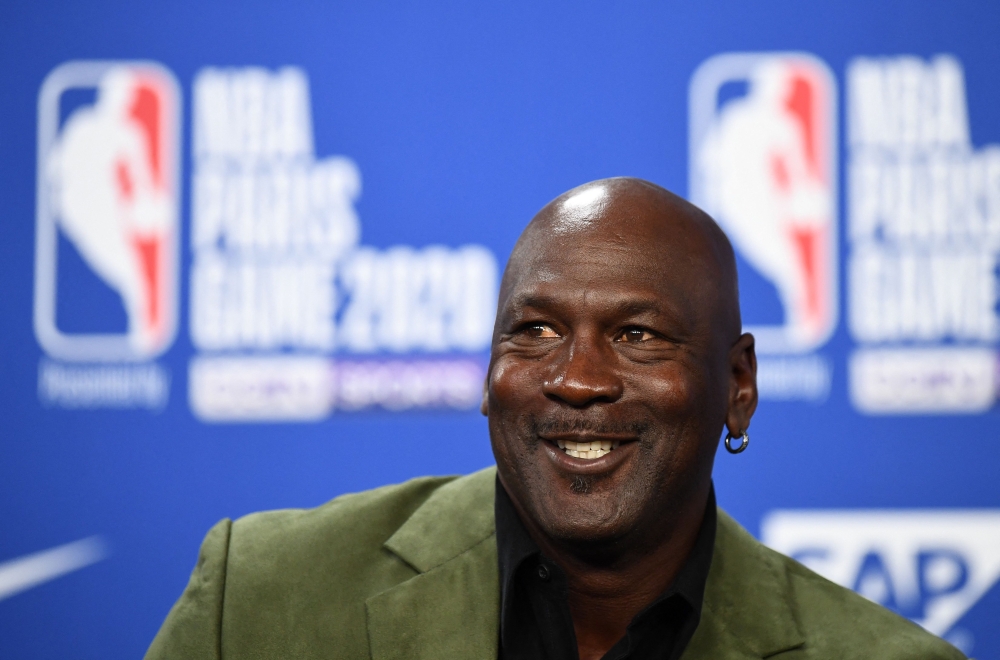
(618, 259)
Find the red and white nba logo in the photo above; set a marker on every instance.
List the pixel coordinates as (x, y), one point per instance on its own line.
(763, 164)
(108, 182)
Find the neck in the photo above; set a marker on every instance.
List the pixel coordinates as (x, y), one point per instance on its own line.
(610, 586)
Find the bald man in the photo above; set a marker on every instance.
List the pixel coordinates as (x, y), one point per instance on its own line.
(617, 363)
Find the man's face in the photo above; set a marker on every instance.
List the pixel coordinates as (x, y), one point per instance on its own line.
(605, 339)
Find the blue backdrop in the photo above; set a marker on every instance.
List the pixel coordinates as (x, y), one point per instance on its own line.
(184, 185)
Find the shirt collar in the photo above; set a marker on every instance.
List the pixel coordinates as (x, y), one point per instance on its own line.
(515, 546)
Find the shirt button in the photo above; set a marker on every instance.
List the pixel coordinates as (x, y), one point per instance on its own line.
(543, 572)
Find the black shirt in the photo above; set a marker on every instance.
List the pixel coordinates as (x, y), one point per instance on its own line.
(535, 621)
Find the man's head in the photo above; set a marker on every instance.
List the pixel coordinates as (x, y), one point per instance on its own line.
(618, 323)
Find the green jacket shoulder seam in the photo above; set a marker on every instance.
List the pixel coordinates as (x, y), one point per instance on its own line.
(224, 582)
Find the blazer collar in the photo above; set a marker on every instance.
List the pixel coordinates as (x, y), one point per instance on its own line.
(749, 609)
(452, 520)
(451, 608)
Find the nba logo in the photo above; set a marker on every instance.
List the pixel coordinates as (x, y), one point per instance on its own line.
(763, 164)
(107, 204)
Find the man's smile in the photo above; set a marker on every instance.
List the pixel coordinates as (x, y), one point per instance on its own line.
(587, 446)
(588, 450)
(588, 454)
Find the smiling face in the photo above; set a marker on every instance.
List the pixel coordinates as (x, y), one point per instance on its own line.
(612, 365)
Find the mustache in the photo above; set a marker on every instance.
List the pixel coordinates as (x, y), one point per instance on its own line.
(583, 425)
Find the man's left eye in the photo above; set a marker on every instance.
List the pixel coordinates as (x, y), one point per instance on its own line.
(635, 335)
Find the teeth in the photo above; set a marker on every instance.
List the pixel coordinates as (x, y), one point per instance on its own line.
(588, 450)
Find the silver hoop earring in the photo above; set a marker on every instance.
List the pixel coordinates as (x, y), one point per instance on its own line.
(744, 442)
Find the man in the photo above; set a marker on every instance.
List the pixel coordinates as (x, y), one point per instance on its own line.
(617, 361)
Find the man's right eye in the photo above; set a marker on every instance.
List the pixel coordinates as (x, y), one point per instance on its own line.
(540, 331)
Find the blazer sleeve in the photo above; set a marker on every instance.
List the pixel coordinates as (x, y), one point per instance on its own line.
(193, 629)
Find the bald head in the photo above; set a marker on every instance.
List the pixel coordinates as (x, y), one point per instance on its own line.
(634, 215)
(617, 359)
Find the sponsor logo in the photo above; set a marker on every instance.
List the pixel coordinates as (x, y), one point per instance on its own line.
(923, 380)
(107, 229)
(763, 164)
(107, 183)
(930, 566)
(281, 284)
(924, 239)
(23, 573)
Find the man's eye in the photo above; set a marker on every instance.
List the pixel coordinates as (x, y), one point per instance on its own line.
(635, 335)
(540, 331)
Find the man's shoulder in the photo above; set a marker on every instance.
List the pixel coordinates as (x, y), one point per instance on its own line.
(366, 517)
(282, 584)
(834, 622)
(350, 527)
(297, 575)
(838, 618)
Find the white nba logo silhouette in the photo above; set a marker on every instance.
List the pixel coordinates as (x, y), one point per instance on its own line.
(107, 180)
(763, 165)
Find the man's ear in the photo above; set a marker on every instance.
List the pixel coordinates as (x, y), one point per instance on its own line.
(484, 405)
(742, 385)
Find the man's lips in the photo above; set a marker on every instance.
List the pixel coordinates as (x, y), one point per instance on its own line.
(588, 452)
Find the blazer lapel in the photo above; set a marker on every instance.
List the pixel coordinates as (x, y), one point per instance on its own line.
(451, 608)
(714, 641)
(749, 608)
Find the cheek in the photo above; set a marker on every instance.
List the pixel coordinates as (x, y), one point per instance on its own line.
(513, 397)
(683, 401)
(671, 390)
(507, 391)
(510, 384)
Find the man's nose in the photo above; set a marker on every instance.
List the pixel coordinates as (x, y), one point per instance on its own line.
(584, 373)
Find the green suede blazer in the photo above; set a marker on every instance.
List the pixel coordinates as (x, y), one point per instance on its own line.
(410, 572)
